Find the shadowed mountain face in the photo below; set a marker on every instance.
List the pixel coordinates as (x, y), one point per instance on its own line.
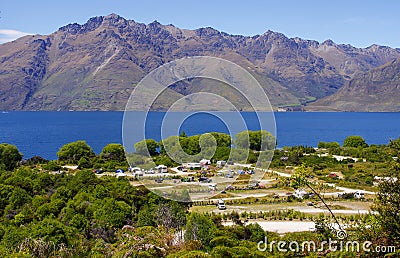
(375, 90)
(95, 66)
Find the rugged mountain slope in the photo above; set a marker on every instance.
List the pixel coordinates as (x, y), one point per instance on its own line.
(23, 67)
(376, 90)
(96, 65)
(348, 60)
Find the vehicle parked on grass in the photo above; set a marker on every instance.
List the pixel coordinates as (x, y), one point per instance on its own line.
(182, 168)
(98, 171)
(250, 172)
(162, 169)
(359, 195)
(300, 193)
(212, 187)
(204, 180)
(253, 185)
(150, 171)
(221, 204)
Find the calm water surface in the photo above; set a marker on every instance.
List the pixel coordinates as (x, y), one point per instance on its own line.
(43, 133)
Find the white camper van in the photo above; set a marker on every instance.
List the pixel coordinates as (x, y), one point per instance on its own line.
(162, 169)
(221, 204)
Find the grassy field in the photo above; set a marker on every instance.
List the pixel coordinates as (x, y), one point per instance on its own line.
(299, 206)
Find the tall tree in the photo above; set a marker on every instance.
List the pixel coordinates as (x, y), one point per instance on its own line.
(9, 156)
(199, 227)
(113, 151)
(146, 147)
(354, 141)
(388, 207)
(74, 151)
(255, 140)
(170, 215)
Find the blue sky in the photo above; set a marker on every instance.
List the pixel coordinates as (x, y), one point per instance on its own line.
(359, 23)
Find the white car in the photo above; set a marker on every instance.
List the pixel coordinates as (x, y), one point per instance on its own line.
(162, 169)
(150, 171)
(212, 186)
(221, 204)
(359, 195)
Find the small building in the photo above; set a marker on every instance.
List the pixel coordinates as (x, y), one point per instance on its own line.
(221, 163)
(205, 162)
(378, 180)
(193, 165)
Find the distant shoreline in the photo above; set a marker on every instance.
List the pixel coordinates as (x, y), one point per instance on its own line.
(158, 111)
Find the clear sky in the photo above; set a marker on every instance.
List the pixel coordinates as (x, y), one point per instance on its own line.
(359, 23)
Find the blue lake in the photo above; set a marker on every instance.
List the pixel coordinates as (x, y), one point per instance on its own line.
(43, 133)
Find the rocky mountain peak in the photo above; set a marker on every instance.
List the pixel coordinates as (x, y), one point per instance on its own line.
(113, 16)
(154, 23)
(269, 34)
(207, 32)
(99, 62)
(328, 42)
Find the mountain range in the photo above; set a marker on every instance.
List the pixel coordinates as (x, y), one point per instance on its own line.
(96, 65)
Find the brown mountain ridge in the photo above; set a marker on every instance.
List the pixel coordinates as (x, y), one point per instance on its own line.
(375, 90)
(95, 66)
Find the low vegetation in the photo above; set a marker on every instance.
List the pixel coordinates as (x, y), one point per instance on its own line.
(49, 211)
